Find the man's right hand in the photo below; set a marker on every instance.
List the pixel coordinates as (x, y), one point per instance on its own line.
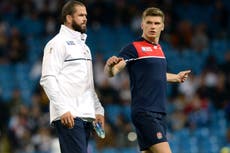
(113, 61)
(67, 120)
(114, 65)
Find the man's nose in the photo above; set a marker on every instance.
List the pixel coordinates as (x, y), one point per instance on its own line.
(85, 18)
(153, 26)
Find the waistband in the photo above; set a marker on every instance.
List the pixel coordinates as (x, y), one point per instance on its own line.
(85, 120)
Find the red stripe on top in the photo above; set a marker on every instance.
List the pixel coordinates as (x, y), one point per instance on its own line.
(145, 49)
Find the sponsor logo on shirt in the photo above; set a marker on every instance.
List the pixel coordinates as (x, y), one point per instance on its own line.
(70, 43)
(146, 49)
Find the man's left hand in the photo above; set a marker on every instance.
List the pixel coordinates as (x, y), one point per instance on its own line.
(100, 119)
(183, 75)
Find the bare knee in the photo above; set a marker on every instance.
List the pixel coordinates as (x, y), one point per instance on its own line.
(162, 147)
(146, 151)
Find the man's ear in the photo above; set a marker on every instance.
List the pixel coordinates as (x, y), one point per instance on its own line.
(142, 25)
(163, 27)
(69, 18)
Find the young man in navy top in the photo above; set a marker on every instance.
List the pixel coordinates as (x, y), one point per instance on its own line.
(146, 65)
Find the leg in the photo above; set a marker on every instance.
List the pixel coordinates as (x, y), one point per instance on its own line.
(162, 147)
(146, 151)
(73, 140)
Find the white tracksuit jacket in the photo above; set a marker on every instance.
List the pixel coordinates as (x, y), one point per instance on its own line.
(67, 76)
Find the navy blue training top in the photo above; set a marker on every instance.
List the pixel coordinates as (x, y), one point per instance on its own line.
(147, 74)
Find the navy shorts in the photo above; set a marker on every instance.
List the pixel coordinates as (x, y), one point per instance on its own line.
(74, 140)
(150, 128)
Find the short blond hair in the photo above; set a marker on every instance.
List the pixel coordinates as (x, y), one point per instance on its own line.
(153, 11)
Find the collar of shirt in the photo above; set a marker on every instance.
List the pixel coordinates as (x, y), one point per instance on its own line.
(73, 34)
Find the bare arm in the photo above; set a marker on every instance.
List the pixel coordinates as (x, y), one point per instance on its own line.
(113, 66)
(180, 77)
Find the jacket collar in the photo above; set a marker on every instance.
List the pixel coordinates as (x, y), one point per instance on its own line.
(73, 34)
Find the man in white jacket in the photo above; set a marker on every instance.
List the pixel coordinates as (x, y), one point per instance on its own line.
(67, 79)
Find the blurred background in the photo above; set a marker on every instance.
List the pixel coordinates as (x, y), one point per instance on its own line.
(196, 37)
